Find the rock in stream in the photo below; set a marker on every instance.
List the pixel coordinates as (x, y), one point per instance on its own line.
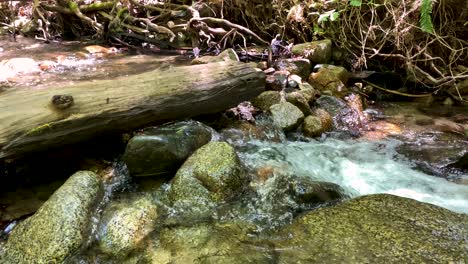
(59, 227)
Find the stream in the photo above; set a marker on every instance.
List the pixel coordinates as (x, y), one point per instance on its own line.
(414, 163)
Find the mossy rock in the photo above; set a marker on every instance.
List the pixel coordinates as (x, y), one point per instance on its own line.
(162, 150)
(286, 115)
(300, 101)
(211, 175)
(325, 118)
(312, 126)
(316, 51)
(378, 228)
(266, 99)
(330, 78)
(59, 227)
(309, 93)
(219, 243)
(126, 224)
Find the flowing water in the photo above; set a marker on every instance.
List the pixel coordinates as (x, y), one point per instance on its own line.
(359, 166)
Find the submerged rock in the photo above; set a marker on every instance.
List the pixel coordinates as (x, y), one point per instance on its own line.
(126, 224)
(220, 243)
(162, 150)
(374, 229)
(461, 163)
(286, 115)
(245, 131)
(308, 193)
(316, 51)
(59, 227)
(211, 175)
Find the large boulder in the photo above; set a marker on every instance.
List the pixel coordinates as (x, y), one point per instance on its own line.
(266, 99)
(59, 227)
(211, 175)
(296, 66)
(161, 150)
(316, 51)
(330, 78)
(126, 224)
(286, 115)
(376, 229)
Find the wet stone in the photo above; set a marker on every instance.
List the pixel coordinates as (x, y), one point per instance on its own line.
(161, 150)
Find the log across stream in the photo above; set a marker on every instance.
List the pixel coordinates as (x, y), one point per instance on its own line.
(33, 120)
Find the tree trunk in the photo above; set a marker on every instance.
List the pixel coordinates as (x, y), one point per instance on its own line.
(30, 120)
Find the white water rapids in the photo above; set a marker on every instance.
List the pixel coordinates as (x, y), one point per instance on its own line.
(359, 167)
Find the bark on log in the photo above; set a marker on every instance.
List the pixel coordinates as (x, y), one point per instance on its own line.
(29, 120)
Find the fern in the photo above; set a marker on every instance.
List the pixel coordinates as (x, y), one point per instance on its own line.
(426, 16)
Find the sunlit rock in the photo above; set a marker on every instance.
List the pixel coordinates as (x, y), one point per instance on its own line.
(300, 101)
(125, 224)
(316, 51)
(266, 99)
(312, 126)
(296, 66)
(211, 175)
(375, 228)
(331, 78)
(59, 227)
(286, 115)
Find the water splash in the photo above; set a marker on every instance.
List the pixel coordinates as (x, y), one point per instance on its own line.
(359, 167)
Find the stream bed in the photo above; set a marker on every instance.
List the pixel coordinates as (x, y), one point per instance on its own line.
(414, 163)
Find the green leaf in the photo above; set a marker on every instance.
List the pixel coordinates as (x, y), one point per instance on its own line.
(426, 16)
(334, 16)
(323, 17)
(356, 3)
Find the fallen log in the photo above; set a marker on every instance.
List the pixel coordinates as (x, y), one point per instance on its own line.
(34, 120)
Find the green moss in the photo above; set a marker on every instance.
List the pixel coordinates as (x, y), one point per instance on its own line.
(58, 228)
(73, 6)
(377, 229)
(40, 129)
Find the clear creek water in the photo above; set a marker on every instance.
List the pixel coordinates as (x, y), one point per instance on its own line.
(360, 167)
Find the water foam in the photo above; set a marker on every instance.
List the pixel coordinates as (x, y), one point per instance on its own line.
(359, 167)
